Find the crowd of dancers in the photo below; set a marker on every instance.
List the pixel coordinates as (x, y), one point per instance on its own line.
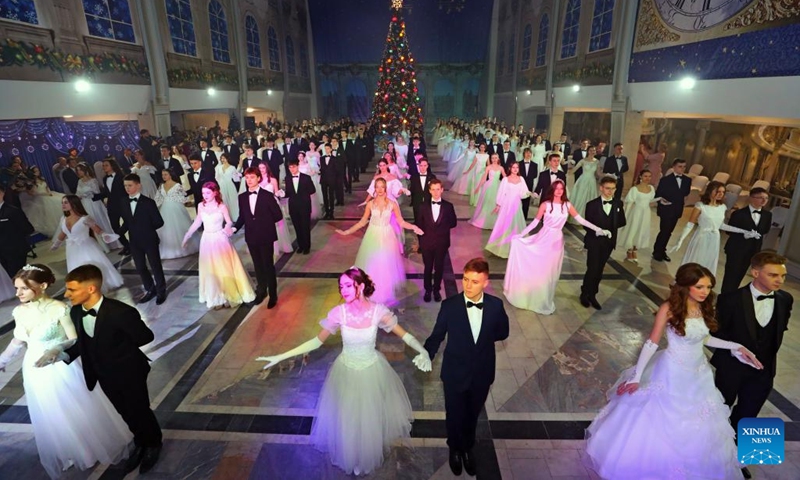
(139, 207)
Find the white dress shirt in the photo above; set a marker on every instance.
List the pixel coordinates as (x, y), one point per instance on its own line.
(679, 178)
(253, 199)
(90, 320)
(475, 317)
(134, 204)
(436, 209)
(110, 181)
(606, 206)
(296, 182)
(763, 308)
(423, 177)
(755, 216)
(553, 177)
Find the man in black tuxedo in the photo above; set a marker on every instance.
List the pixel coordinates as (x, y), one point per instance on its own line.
(755, 317)
(198, 176)
(70, 176)
(672, 189)
(550, 175)
(208, 156)
(739, 249)
(141, 220)
(529, 172)
(348, 153)
(112, 188)
(507, 157)
(148, 145)
(416, 148)
(166, 162)
(362, 147)
(494, 146)
(327, 181)
(110, 334)
(418, 186)
(300, 143)
(579, 155)
(617, 165)
(607, 213)
(258, 213)
(14, 231)
(289, 149)
(472, 322)
(231, 149)
(566, 148)
(436, 217)
(340, 167)
(250, 159)
(272, 157)
(127, 160)
(301, 192)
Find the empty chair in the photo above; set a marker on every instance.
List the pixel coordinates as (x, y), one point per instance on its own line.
(733, 188)
(699, 183)
(695, 170)
(732, 192)
(761, 184)
(721, 177)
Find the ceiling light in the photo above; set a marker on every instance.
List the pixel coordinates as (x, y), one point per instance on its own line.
(211, 91)
(576, 88)
(67, 116)
(269, 92)
(528, 92)
(82, 86)
(250, 109)
(688, 83)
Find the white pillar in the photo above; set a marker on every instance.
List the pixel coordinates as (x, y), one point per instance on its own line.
(147, 12)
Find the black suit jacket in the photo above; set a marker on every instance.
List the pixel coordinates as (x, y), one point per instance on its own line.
(233, 153)
(116, 196)
(118, 333)
(437, 233)
(300, 200)
(494, 148)
(14, 231)
(506, 162)
(610, 166)
(668, 190)
(328, 172)
(259, 227)
(737, 244)
(611, 222)
(533, 173)
(420, 194)
(209, 157)
(339, 163)
(289, 152)
(566, 148)
(468, 363)
(253, 163)
(125, 163)
(196, 185)
(737, 323)
(544, 181)
(273, 158)
(174, 166)
(142, 225)
(71, 179)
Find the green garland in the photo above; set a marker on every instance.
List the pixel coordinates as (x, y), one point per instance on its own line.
(261, 81)
(178, 76)
(595, 70)
(21, 54)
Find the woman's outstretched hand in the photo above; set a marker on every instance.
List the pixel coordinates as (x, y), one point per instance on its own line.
(628, 388)
(271, 361)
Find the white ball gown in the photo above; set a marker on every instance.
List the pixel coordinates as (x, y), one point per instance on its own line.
(538, 152)
(82, 249)
(7, 290)
(176, 223)
(510, 220)
(311, 168)
(585, 189)
(223, 278)
(42, 209)
(483, 216)
(70, 423)
(474, 175)
(543, 252)
(674, 426)
(379, 256)
(227, 189)
(703, 248)
(146, 173)
(393, 191)
(284, 242)
(363, 406)
(637, 213)
(96, 209)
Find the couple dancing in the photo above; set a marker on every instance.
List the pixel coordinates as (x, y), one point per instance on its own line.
(84, 376)
(363, 407)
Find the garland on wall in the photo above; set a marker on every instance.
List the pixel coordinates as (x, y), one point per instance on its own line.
(261, 81)
(178, 76)
(595, 70)
(21, 54)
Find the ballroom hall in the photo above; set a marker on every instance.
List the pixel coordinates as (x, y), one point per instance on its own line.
(714, 86)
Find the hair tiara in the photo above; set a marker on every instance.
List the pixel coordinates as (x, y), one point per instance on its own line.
(30, 267)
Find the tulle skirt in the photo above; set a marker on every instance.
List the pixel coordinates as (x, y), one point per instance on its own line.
(230, 197)
(223, 278)
(88, 252)
(7, 290)
(71, 423)
(637, 231)
(461, 181)
(533, 269)
(176, 224)
(473, 181)
(360, 413)
(510, 222)
(484, 216)
(97, 210)
(379, 256)
(703, 248)
(584, 190)
(43, 211)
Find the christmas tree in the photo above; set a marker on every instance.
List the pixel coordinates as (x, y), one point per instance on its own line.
(396, 99)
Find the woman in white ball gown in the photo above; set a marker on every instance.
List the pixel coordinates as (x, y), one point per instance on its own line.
(89, 193)
(543, 252)
(146, 172)
(510, 220)
(394, 188)
(585, 189)
(363, 407)
(457, 167)
(269, 183)
(473, 173)
(309, 164)
(223, 279)
(637, 213)
(77, 228)
(379, 251)
(170, 200)
(709, 216)
(41, 206)
(665, 418)
(484, 215)
(72, 426)
(226, 174)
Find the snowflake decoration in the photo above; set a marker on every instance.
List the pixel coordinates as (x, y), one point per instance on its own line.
(93, 148)
(14, 151)
(106, 148)
(45, 147)
(30, 149)
(118, 148)
(59, 146)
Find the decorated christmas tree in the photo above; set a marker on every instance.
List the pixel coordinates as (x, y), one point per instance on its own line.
(396, 99)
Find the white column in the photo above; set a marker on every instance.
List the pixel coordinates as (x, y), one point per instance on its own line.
(550, 58)
(240, 45)
(491, 70)
(623, 46)
(312, 66)
(147, 12)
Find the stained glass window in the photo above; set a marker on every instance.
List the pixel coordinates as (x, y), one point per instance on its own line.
(602, 21)
(541, 42)
(290, 56)
(19, 10)
(253, 42)
(219, 32)
(303, 60)
(181, 29)
(526, 47)
(274, 51)
(109, 19)
(569, 37)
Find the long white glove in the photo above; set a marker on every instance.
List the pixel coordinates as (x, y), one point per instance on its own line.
(748, 234)
(591, 226)
(528, 229)
(10, 353)
(648, 350)
(306, 347)
(735, 349)
(423, 360)
(55, 354)
(687, 229)
(56, 243)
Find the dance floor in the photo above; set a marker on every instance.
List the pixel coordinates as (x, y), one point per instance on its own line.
(224, 418)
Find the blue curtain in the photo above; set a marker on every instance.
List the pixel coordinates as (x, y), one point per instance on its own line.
(40, 141)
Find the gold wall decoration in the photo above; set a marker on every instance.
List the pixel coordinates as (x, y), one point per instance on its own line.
(766, 11)
(651, 30)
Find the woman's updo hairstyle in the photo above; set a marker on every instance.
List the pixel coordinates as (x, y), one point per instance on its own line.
(360, 277)
(36, 273)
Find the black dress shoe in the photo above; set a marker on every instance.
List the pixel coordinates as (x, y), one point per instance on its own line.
(746, 473)
(437, 297)
(455, 462)
(427, 297)
(585, 302)
(595, 304)
(161, 299)
(306, 251)
(468, 458)
(125, 252)
(259, 298)
(666, 258)
(134, 459)
(272, 302)
(149, 459)
(658, 258)
(146, 297)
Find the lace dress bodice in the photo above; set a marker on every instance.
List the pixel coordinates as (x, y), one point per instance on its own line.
(39, 325)
(88, 188)
(380, 217)
(687, 350)
(175, 194)
(589, 168)
(213, 221)
(359, 332)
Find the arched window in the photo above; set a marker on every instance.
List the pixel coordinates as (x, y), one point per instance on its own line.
(501, 53)
(274, 51)
(20, 11)
(219, 32)
(109, 19)
(602, 21)
(511, 55)
(526, 47)
(303, 60)
(290, 56)
(181, 29)
(569, 37)
(253, 42)
(541, 42)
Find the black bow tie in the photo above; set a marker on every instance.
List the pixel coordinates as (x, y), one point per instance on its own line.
(764, 297)
(757, 211)
(479, 306)
(134, 199)
(254, 192)
(436, 203)
(196, 173)
(111, 176)
(295, 176)
(608, 202)
(91, 312)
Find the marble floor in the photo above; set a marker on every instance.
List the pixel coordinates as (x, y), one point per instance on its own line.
(224, 418)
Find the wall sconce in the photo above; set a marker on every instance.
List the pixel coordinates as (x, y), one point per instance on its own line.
(269, 92)
(576, 88)
(82, 85)
(211, 91)
(528, 92)
(250, 109)
(688, 83)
